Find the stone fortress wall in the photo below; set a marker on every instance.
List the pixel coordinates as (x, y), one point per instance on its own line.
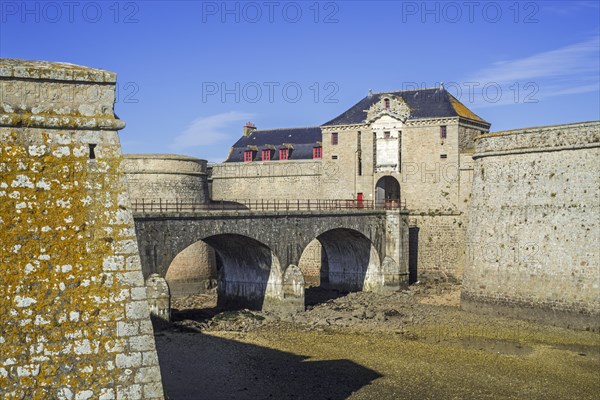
(281, 180)
(534, 225)
(166, 176)
(171, 178)
(75, 318)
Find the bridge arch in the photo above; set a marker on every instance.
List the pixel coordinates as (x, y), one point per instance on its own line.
(249, 273)
(193, 270)
(350, 262)
(353, 262)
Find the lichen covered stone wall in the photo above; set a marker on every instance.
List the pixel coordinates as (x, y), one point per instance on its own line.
(75, 320)
(534, 225)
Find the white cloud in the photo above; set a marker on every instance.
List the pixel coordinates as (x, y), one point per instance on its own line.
(567, 70)
(573, 60)
(212, 129)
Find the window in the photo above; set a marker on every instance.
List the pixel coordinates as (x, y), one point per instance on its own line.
(266, 154)
(283, 154)
(317, 152)
(248, 156)
(387, 103)
(443, 155)
(334, 157)
(359, 165)
(443, 132)
(386, 134)
(92, 151)
(334, 138)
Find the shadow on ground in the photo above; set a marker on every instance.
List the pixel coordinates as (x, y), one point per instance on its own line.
(196, 366)
(318, 295)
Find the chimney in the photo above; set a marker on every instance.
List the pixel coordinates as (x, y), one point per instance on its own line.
(249, 128)
(370, 93)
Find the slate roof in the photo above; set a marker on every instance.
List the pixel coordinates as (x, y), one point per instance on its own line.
(424, 103)
(302, 140)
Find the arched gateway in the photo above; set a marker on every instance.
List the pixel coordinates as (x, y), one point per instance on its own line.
(387, 192)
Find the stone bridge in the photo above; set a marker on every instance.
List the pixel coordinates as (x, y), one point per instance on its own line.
(259, 251)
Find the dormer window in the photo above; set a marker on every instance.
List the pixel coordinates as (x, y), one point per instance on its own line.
(266, 154)
(387, 103)
(284, 154)
(248, 155)
(317, 153)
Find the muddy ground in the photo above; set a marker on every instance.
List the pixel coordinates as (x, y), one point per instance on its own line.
(413, 344)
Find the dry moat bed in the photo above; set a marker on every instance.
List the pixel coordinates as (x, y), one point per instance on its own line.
(415, 344)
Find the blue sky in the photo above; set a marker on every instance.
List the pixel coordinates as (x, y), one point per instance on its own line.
(191, 73)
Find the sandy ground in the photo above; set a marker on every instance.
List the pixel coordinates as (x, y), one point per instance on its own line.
(415, 344)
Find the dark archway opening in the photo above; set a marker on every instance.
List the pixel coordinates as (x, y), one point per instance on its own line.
(413, 254)
(193, 271)
(242, 271)
(348, 261)
(387, 192)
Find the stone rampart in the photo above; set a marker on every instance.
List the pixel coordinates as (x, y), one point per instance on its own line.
(75, 318)
(534, 229)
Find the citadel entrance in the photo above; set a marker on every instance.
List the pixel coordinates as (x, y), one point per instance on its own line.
(387, 192)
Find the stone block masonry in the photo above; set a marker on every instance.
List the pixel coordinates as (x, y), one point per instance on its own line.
(168, 180)
(166, 177)
(75, 319)
(534, 225)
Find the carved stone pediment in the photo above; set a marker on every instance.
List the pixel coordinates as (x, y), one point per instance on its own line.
(393, 106)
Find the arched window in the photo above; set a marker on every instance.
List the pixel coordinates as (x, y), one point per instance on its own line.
(387, 103)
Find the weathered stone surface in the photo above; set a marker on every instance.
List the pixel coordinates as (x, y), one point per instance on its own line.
(159, 300)
(166, 177)
(65, 234)
(171, 181)
(310, 264)
(534, 225)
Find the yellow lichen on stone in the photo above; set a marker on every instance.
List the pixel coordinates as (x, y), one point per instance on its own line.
(70, 327)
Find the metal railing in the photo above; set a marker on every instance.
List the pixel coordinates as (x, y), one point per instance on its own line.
(180, 206)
